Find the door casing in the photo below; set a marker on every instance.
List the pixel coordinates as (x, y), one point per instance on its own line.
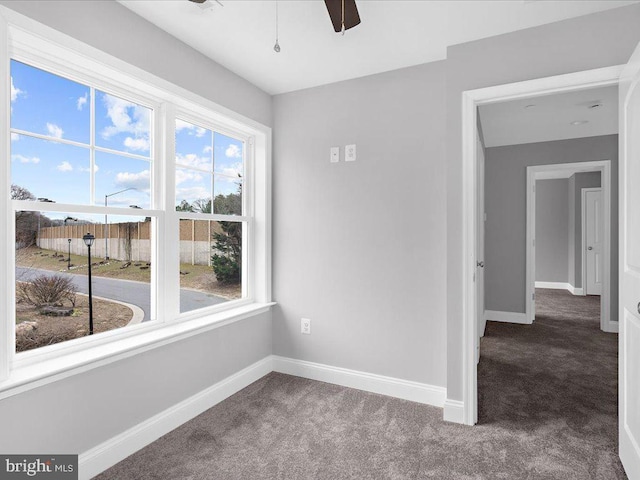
(471, 99)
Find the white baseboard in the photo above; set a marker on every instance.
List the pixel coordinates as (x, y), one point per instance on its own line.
(576, 290)
(107, 454)
(507, 317)
(116, 449)
(561, 286)
(453, 411)
(369, 382)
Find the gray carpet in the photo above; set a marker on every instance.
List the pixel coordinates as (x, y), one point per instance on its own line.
(547, 411)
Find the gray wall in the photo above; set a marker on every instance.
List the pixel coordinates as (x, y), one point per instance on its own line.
(554, 49)
(552, 230)
(76, 414)
(505, 185)
(359, 248)
(582, 180)
(82, 411)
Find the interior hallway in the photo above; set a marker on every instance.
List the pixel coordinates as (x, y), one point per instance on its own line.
(555, 382)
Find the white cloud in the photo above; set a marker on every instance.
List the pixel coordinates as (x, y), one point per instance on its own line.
(186, 175)
(139, 180)
(82, 101)
(65, 167)
(15, 137)
(193, 160)
(23, 159)
(54, 130)
(137, 144)
(15, 92)
(192, 193)
(126, 117)
(193, 129)
(232, 172)
(88, 169)
(233, 151)
(207, 149)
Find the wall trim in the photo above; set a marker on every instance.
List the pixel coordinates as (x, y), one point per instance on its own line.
(471, 99)
(369, 382)
(507, 317)
(103, 456)
(561, 286)
(453, 411)
(116, 449)
(576, 290)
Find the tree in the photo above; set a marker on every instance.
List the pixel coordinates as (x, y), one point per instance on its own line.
(26, 222)
(227, 261)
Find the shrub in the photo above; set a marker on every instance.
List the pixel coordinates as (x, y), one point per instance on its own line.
(227, 261)
(48, 290)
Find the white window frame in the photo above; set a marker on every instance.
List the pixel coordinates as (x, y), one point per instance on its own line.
(31, 42)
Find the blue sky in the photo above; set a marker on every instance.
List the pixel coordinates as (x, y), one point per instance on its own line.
(59, 108)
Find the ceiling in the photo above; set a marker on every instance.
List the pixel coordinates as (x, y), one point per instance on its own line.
(551, 117)
(393, 34)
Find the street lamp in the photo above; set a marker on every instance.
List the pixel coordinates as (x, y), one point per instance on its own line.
(69, 240)
(88, 241)
(106, 239)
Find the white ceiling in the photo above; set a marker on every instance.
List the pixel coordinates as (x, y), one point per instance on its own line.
(393, 33)
(551, 117)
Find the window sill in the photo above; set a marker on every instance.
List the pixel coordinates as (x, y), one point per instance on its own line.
(27, 377)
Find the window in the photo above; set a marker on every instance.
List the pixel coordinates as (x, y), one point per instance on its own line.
(173, 189)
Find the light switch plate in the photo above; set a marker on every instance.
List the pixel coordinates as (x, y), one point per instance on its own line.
(350, 153)
(334, 155)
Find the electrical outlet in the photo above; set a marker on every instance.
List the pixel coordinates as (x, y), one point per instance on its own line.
(350, 153)
(305, 326)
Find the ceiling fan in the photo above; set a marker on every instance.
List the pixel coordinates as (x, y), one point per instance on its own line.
(343, 13)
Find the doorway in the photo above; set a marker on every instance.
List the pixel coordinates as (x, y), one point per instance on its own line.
(470, 102)
(602, 247)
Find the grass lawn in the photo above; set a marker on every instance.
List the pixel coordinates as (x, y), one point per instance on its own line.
(196, 277)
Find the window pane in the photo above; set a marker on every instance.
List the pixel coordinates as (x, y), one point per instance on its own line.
(210, 263)
(125, 181)
(228, 195)
(52, 304)
(122, 125)
(193, 190)
(229, 155)
(47, 104)
(50, 170)
(193, 146)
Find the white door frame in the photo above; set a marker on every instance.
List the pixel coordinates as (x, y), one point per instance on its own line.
(471, 99)
(583, 213)
(565, 170)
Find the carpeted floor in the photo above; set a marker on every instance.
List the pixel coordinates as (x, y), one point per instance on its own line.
(547, 411)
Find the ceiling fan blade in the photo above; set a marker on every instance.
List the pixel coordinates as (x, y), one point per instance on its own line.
(198, 1)
(351, 16)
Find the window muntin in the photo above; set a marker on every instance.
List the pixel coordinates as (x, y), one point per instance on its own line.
(113, 169)
(92, 67)
(209, 175)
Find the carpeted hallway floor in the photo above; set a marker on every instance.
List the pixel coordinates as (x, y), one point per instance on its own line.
(547, 411)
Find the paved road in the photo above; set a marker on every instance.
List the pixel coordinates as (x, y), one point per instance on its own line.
(128, 291)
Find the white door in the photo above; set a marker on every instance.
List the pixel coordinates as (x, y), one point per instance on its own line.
(480, 248)
(629, 346)
(593, 228)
